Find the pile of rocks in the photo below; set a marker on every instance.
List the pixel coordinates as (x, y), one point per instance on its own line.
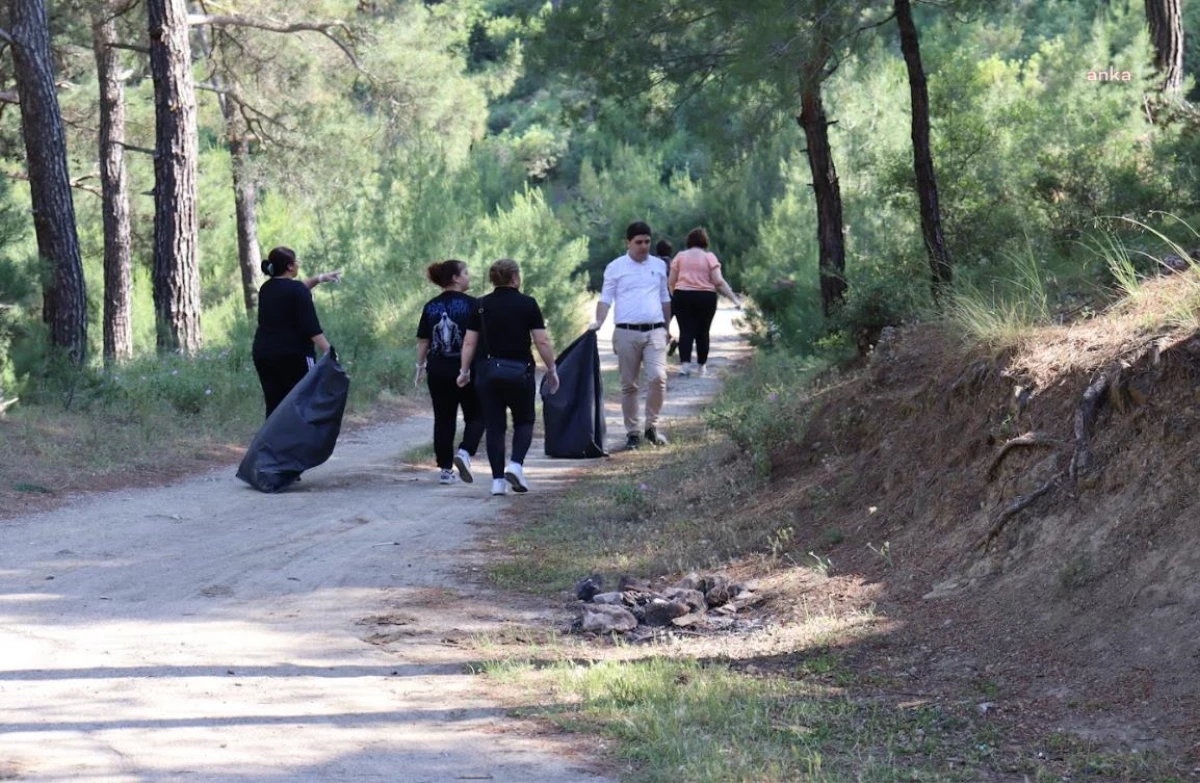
(705, 601)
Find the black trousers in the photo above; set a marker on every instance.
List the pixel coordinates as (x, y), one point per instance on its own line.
(694, 310)
(278, 375)
(498, 398)
(447, 398)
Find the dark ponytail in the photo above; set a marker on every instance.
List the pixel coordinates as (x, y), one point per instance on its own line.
(441, 273)
(278, 261)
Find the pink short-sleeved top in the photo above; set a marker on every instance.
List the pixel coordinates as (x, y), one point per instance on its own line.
(695, 266)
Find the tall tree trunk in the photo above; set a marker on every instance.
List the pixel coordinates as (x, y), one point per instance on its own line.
(830, 232)
(245, 188)
(176, 262)
(114, 186)
(64, 296)
(927, 192)
(1166, 33)
(245, 194)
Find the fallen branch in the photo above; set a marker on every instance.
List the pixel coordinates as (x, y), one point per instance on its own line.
(6, 404)
(1020, 504)
(1029, 439)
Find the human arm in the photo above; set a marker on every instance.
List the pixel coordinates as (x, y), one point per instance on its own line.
(601, 314)
(468, 354)
(718, 281)
(608, 293)
(324, 277)
(673, 276)
(664, 296)
(541, 339)
(309, 324)
(422, 356)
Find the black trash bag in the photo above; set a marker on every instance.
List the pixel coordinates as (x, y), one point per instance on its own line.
(574, 415)
(300, 433)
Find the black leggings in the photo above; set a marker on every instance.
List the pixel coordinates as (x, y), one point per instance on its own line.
(447, 398)
(497, 399)
(694, 310)
(278, 375)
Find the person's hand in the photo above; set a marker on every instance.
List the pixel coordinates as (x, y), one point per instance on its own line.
(593, 326)
(330, 277)
(552, 381)
(464, 377)
(419, 377)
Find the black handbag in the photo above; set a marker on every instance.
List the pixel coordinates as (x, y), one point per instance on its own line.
(496, 368)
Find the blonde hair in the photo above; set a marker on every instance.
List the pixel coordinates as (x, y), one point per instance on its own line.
(503, 272)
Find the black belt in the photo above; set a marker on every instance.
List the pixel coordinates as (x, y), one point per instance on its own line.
(642, 327)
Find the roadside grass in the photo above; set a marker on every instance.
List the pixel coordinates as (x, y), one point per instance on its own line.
(151, 420)
(682, 719)
(1010, 312)
(635, 515)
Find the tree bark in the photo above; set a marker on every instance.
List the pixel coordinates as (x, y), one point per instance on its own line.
(245, 188)
(114, 186)
(830, 232)
(245, 194)
(64, 300)
(1165, 18)
(927, 192)
(176, 262)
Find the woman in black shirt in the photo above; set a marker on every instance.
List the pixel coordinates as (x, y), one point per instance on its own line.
(440, 333)
(502, 327)
(287, 326)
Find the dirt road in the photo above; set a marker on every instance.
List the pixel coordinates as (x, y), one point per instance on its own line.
(203, 631)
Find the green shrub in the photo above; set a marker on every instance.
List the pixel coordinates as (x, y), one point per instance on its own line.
(767, 406)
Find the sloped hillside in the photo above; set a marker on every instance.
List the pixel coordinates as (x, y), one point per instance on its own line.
(1040, 511)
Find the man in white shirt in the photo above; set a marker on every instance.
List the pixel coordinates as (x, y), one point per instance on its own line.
(637, 284)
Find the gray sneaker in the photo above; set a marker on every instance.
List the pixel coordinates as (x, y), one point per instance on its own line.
(633, 441)
(653, 438)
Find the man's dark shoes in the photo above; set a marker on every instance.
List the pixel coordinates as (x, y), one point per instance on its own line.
(653, 438)
(632, 441)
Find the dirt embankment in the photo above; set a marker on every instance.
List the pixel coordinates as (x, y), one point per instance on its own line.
(1041, 519)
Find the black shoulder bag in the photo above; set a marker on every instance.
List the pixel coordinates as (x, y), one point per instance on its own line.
(495, 368)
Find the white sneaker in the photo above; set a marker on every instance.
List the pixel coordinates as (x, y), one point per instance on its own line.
(447, 477)
(685, 369)
(499, 486)
(462, 461)
(702, 371)
(516, 476)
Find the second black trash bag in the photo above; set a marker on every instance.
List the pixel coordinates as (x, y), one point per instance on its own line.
(574, 415)
(301, 432)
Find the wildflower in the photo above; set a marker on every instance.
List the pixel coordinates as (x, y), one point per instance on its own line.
(174, 372)
(208, 391)
(773, 397)
(643, 488)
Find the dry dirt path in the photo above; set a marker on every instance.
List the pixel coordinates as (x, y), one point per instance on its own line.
(205, 632)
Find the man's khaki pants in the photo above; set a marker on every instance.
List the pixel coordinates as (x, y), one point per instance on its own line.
(634, 349)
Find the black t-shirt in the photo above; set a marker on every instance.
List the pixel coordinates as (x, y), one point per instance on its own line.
(504, 319)
(287, 320)
(444, 322)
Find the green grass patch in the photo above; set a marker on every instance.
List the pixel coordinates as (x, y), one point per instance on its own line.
(706, 722)
(686, 720)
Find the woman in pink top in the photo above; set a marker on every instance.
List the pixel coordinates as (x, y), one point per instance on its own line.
(694, 281)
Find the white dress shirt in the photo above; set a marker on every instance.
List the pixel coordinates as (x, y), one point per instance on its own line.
(639, 290)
